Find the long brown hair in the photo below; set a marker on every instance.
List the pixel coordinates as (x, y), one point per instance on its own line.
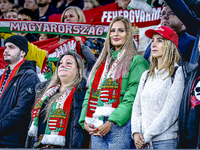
(128, 46)
(56, 80)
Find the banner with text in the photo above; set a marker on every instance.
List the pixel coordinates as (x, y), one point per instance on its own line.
(140, 20)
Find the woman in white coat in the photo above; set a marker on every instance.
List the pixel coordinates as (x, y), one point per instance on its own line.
(154, 121)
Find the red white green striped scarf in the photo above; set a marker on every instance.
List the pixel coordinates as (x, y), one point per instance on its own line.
(13, 73)
(58, 117)
(105, 93)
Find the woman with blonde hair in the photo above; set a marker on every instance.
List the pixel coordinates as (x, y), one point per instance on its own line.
(73, 14)
(113, 84)
(56, 113)
(154, 121)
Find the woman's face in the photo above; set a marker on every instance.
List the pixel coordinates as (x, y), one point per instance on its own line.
(43, 37)
(67, 70)
(118, 34)
(70, 16)
(157, 46)
(87, 5)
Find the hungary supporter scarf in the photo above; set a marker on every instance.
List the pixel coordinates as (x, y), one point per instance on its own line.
(105, 92)
(58, 117)
(13, 73)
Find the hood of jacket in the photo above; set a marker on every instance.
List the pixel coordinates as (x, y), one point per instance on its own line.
(27, 65)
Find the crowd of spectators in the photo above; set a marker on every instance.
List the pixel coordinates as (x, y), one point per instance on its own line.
(43, 9)
(175, 68)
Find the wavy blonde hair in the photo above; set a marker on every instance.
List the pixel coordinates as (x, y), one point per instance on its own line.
(79, 12)
(128, 46)
(56, 80)
(170, 57)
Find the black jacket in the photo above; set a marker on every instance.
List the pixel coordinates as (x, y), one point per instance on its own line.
(77, 3)
(15, 105)
(76, 137)
(51, 10)
(30, 37)
(189, 117)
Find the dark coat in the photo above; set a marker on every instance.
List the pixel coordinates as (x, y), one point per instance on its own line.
(77, 3)
(89, 57)
(51, 10)
(194, 6)
(15, 105)
(189, 117)
(90, 51)
(76, 137)
(30, 37)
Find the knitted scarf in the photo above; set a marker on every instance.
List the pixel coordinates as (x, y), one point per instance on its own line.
(58, 117)
(105, 92)
(13, 73)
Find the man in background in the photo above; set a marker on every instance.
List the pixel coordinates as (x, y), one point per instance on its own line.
(186, 41)
(45, 9)
(26, 15)
(31, 4)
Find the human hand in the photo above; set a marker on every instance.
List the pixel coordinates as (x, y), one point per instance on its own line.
(123, 3)
(89, 128)
(46, 147)
(139, 140)
(78, 39)
(103, 129)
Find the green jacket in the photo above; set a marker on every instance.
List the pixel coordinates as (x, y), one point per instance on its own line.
(129, 88)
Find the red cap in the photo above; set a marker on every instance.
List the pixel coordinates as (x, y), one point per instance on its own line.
(164, 31)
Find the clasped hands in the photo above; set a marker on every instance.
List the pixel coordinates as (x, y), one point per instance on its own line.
(139, 141)
(102, 130)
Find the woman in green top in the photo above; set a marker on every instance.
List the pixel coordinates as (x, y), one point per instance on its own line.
(113, 84)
